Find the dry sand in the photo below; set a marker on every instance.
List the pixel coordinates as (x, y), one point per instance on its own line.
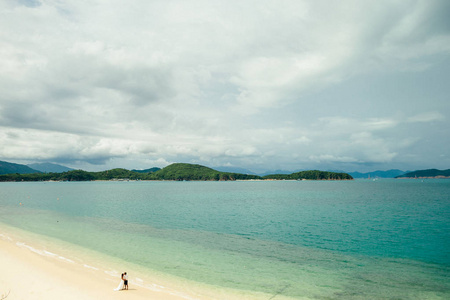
(28, 275)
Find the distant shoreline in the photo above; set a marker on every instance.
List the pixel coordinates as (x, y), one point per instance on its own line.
(155, 180)
(425, 177)
(173, 172)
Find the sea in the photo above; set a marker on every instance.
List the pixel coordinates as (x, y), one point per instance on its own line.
(359, 239)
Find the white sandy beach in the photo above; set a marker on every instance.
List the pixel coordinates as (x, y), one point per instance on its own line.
(28, 275)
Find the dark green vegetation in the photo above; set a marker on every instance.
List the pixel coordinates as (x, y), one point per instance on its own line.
(182, 171)
(151, 170)
(431, 173)
(178, 172)
(8, 168)
(310, 175)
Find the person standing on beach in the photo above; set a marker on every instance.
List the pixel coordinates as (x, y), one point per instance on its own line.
(125, 280)
(121, 284)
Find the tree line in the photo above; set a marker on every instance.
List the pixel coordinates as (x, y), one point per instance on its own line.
(174, 172)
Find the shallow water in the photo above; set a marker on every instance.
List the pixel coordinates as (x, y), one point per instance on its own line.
(322, 240)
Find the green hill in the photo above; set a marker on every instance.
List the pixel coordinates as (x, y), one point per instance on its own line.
(151, 170)
(11, 168)
(310, 175)
(175, 172)
(182, 171)
(117, 174)
(430, 173)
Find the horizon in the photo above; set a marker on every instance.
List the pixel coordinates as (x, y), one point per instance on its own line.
(297, 85)
(218, 168)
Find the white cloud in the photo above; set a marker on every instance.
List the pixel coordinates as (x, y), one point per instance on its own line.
(426, 117)
(331, 158)
(208, 81)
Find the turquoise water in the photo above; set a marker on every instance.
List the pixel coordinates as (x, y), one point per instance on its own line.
(385, 239)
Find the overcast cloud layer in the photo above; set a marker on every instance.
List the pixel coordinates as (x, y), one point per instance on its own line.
(349, 85)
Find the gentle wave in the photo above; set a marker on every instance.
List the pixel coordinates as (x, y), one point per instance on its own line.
(113, 273)
(335, 240)
(44, 252)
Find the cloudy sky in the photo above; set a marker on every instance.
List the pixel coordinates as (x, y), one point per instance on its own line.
(262, 85)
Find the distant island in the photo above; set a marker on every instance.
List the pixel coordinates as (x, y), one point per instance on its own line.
(187, 172)
(378, 174)
(308, 175)
(173, 172)
(430, 173)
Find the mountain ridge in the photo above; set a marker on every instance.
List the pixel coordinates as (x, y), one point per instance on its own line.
(12, 168)
(173, 172)
(428, 173)
(49, 167)
(150, 170)
(378, 174)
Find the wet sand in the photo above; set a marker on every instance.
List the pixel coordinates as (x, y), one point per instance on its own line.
(28, 275)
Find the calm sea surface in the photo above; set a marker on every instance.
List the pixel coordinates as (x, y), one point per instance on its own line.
(362, 239)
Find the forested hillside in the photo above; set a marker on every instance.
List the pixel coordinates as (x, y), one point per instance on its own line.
(9, 168)
(310, 175)
(174, 172)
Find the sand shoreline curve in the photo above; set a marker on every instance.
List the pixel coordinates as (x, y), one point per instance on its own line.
(27, 274)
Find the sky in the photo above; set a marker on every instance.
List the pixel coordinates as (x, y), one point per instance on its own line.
(260, 85)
